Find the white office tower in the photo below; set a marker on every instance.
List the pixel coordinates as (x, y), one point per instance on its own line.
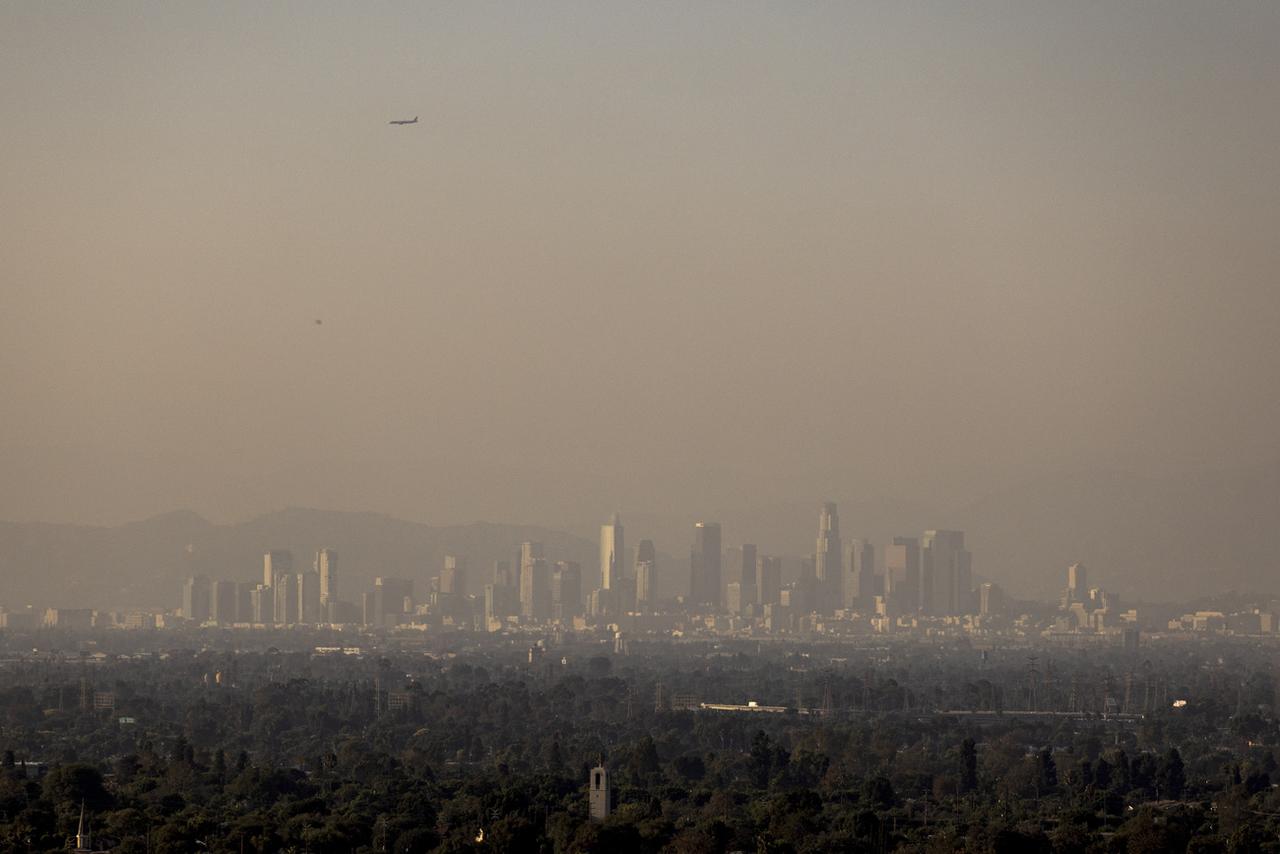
(1077, 584)
(275, 564)
(326, 566)
(612, 552)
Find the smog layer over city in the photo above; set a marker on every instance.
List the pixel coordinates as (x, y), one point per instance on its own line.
(640, 427)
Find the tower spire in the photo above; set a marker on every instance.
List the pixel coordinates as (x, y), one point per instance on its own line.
(83, 843)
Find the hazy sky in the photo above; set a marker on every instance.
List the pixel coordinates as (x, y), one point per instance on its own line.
(638, 256)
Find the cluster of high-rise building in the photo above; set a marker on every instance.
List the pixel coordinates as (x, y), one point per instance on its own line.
(1089, 608)
(926, 575)
(930, 575)
(921, 582)
(533, 589)
(284, 597)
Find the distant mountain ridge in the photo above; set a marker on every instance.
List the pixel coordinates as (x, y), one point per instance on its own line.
(143, 563)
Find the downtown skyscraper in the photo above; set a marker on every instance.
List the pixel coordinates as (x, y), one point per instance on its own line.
(453, 577)
(704, 564)
(612, 552)
(197, 598)
(1077, 584)
(326, 566)
(827, 558)
(860, 589)
(535, 583)
(748, 594)
(902, 574)
(275, 564)
(768, 580)
(566, 590)
(946, 573)
(309, 610)
(646, 568)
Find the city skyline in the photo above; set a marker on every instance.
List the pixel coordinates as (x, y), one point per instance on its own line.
(544, 594)
(594, 426)
(203, 544)
(916, 578)
(759, 603)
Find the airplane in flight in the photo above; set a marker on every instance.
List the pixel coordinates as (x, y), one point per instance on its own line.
(412, 121)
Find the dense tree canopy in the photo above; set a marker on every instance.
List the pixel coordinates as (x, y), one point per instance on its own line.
(481, 752)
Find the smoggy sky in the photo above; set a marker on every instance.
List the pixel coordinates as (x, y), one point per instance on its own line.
(638, 256)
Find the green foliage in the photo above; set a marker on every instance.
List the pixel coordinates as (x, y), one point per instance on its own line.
(76, 784)
(307, 756)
